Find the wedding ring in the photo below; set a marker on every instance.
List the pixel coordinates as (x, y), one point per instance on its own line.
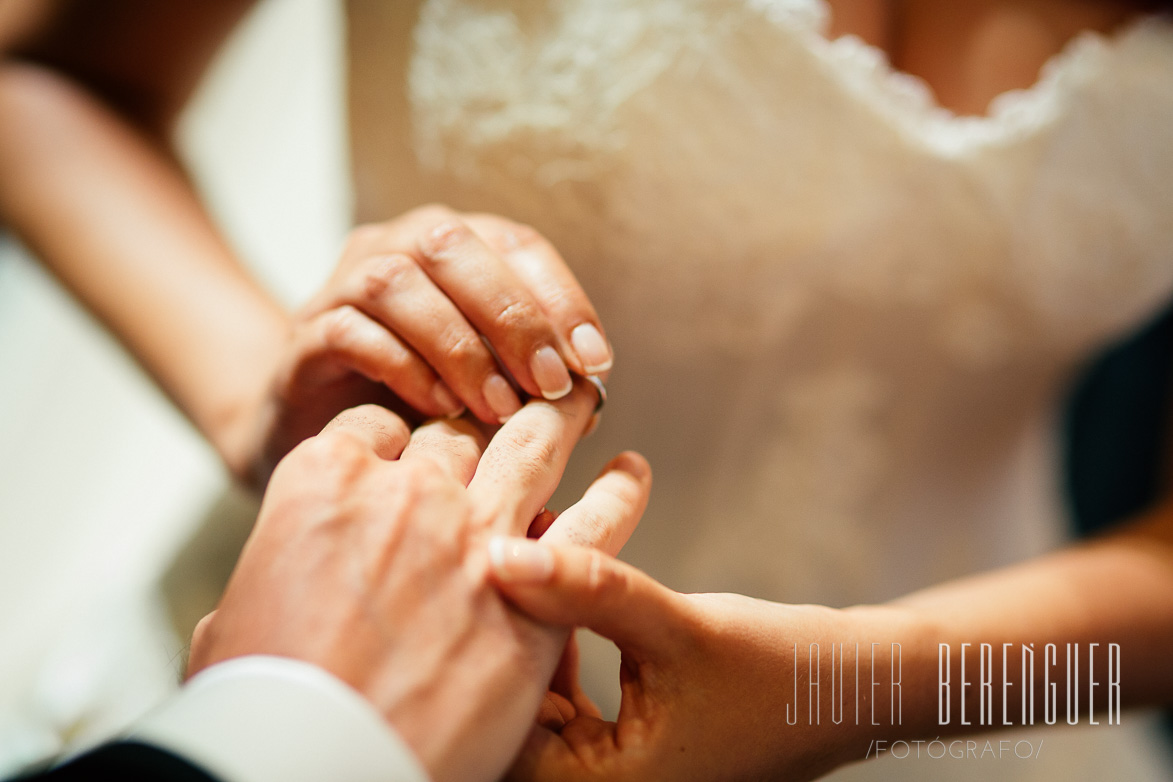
(597, 415)
(600, 389)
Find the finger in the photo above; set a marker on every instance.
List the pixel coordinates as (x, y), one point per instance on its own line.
(580, 751)
(455, 446)
(535, 261)
(497, 302)
(395, 291)
(554, 711)
(565, 681)
(344, 339)
(544, 755)
(377, 427)
(541, 523)
(573, 586)
(610, 509)
(524, 461)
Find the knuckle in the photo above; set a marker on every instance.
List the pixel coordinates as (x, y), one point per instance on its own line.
(445, 236)
(464, 348)
(569, 302)
(517, 315)
(322, 467)
(374, 418)
(525, 236)
(613, 583)
(369, 417)
(334, 447)
(339, 325)
(386, 273)
(603, 584)
(527, 445)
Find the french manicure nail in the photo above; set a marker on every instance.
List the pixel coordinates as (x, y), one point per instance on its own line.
(520, 560)
(550, 373)
(591, 348)
(446, 400)
(501, 397)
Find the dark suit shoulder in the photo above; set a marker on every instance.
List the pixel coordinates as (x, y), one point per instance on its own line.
(124, 760)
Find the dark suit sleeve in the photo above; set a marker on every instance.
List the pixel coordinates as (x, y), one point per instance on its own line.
(124, 761)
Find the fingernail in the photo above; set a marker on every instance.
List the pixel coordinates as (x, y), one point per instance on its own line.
(520, 560)
(591, 348)
(550, 373)
(446, 400)
(501, 397)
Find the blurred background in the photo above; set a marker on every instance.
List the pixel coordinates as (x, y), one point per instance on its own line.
(118, 524)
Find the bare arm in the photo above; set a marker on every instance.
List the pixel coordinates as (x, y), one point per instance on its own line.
(1117, 589)
(717, 685)
(89, 181)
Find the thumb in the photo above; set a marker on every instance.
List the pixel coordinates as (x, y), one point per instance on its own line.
(578, 586)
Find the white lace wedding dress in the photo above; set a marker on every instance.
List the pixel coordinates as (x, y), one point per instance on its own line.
(842, 316)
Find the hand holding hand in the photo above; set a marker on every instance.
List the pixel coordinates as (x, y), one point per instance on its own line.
(370, 559)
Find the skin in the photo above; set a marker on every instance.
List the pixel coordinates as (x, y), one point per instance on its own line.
(707, 678)
(89, 181)
(369, 560)
(969, 53)
(403, 313)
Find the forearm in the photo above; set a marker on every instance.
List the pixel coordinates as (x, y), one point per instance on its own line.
(725, 685)
(109, 211)
(1105, 602)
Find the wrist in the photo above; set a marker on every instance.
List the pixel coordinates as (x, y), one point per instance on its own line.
(244, 441)
(244, 419)
(882, 687)
(235, 432)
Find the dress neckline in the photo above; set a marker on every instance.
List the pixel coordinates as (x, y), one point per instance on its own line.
(909, 102)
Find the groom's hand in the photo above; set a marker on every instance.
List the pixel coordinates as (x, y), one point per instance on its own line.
(370, 559)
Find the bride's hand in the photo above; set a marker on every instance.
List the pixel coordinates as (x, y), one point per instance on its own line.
(706, 678)
(402, 317)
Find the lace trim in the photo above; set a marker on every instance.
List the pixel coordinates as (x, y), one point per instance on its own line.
(908, 101)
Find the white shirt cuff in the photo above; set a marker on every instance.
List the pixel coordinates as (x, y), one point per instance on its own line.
(261, 718)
